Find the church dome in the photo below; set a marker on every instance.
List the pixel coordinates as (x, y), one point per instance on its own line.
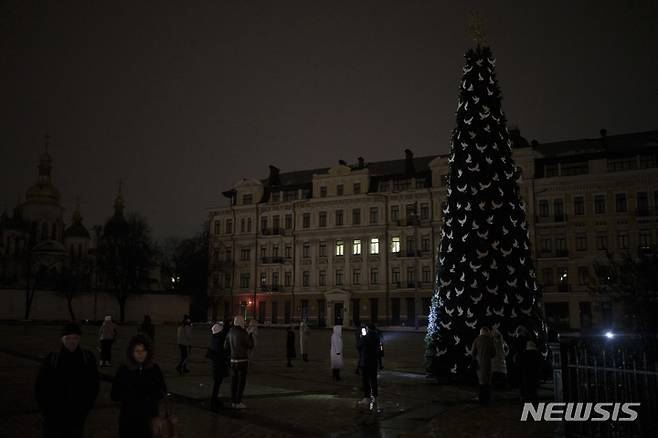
(76, 229)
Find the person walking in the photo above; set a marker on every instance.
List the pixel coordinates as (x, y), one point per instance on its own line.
(67, 386)
(336, 352)
(252, 329)
(483, 351)
(139, 387)
(147, 328)
(184, 341)
(107, 334)
(220, 361)
(239, 342)
(368, 346)
(304, 339)
(529, 365)
(499, 363)
(357, 336)
(290, 345)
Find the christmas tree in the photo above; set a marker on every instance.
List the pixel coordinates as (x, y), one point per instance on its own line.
(485, 273)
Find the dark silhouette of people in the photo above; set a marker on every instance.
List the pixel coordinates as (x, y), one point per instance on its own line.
(67, 386)
(368, 346)
(291, 351)
(239, 342)
(220, 360)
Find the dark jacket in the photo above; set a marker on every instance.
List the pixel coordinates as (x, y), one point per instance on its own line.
(148, 329)
(239, 342)
(139, 389)
(291, 352)
(219, 356)
(368, 347)
(67, 385)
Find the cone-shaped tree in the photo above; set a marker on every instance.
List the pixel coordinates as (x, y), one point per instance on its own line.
(485, 273)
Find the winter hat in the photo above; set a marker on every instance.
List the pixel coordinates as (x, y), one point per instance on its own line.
(71, 329)
(530, 345)
(238, 321)
(108, 318)
(216, 328)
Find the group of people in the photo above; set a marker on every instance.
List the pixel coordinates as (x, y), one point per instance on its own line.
(489, 352)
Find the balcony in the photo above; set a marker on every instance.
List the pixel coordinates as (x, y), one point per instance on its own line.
(396, 285)
(411, 285)
(555, 219)
(408, 222)
(545, 254)
(270, 288)
(268, 260)
(272, 231)
(561, 253)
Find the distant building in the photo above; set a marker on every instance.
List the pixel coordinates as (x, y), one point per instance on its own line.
(357, 242)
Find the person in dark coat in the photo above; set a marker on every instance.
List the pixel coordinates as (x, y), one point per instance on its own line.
(147, 328)
(239, 341)
(139, 386)
(291, 352)
(368, 346)
(66, 387)
(220, 360)
(529, 365)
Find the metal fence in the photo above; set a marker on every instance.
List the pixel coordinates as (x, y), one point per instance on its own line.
(613, 369)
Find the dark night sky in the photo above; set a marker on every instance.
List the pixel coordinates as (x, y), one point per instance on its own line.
(181, 101)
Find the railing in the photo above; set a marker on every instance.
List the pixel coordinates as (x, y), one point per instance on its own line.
(269, 288)
(272, 259)
(622, 368)
(556, 218)
(272, 231)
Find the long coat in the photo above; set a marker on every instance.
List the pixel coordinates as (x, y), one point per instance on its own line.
(336, 350)
(220, 357)
(290, 344)
(484, 351)
(304, 337)
(139, 389)
(368, 347)
(498, 363)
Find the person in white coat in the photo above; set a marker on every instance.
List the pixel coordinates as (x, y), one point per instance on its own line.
(498, 362)
(336, 352)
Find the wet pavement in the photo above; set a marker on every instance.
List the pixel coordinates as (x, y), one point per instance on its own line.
(301, 401)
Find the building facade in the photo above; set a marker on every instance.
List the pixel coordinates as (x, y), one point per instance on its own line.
(357, 242)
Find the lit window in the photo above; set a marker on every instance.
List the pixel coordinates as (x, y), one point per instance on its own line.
(374, 245)
(395, 244)
(339, 247)
(356, 247)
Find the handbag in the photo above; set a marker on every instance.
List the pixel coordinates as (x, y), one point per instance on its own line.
(164, 425)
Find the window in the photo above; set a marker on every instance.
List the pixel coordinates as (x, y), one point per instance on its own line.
(276, 196)
(374, 276)
(427, 275)
(243, 225)
(545, 244)
(356, 216)
(245, 254)
(306, 278)
(323, 191)
(411, 211)
(644, 239)
(602, 241)
(647, 161)
(581, 242)
(356, 188)
(288, 252)
(288, 221)
(547, 275)
(356, 247)
(560, 246)
(323, 248)
(622, 241)
(276, 223)
(339, 217)
(395, 213)
(620, 202)
(229, 226)
(395, 275)
(215, 279)
(425, 243)
(339, 277)
(420, 183)
(642, 203)
(248, 225)
(263, 251)
(227, 281)
(247, 199)
(263, 279)
(558, 209)
(306, 220)
(578, 168)
(578, 205)
(621, 164)
(275, 280)
(323, 219)
(228, 254)
(395, 245)
(218, 227)
(411, 277)
(339, 247)
(306, 250)
(543, 208)
(551, 170)
(411, 246)
(290, 195)
(424, 211)
(599, 204)
(383, 186)
(263, 224)
(244, 281)
(374, 215)
(583, 275)
(275, 251)
(356, 276)
(287, 278)
(339, 190)
(374, 245)
(322, 277)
